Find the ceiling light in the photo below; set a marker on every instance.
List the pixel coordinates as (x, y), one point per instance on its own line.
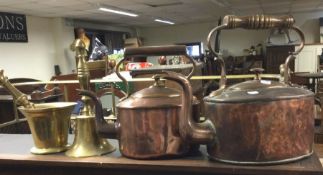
(118, 12)
(221, 3)
(164, 21)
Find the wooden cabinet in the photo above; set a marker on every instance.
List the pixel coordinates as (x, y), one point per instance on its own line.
(275, 56)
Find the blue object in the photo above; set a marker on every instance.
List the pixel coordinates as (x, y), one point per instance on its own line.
(78, 107)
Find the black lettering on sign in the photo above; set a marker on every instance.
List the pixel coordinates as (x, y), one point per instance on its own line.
(13, 27)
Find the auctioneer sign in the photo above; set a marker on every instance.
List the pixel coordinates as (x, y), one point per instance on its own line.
(13, 28)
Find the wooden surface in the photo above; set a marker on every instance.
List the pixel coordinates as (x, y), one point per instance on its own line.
(16, 159)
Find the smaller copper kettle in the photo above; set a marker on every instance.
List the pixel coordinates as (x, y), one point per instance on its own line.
(149, 121)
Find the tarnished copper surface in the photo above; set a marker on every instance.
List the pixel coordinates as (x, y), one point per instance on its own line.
(262, 132)
(151, 133)
(196, 113)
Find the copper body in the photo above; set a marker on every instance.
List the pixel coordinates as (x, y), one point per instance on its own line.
(150, 127)
(262, 132)
(151, 133)
(256, 122)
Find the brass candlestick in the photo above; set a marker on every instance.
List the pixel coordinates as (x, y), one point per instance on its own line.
(86, 142)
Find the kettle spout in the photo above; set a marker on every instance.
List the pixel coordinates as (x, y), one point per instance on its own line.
(202, 133)
(104, 129)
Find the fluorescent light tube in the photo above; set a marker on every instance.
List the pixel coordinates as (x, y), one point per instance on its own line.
(118, 12)
(164, 21)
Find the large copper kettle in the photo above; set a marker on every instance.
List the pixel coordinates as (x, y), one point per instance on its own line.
(260, 121)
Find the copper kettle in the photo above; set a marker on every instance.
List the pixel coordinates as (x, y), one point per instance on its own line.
(151, 121)
(260, 121)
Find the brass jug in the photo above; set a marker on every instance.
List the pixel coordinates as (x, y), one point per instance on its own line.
(49, 122)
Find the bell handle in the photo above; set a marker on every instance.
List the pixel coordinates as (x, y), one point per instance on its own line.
(103, 128)
(20, 98)
(257, 22)
(153, 51)
(202, 133)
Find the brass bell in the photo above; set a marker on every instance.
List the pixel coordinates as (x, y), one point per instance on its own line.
(87, 142)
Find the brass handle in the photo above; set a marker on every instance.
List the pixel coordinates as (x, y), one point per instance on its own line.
(202, 133)
(260, 22)
(21, 98)
(154, 51)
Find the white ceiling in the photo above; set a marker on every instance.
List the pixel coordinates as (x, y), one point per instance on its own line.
(179, 11)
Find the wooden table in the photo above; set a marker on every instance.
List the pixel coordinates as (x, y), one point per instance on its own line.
(16, 159)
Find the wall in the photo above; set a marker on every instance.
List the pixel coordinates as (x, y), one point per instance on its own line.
(100, 26)
(48, 45)
(49, 41)
(63, 37)
(233, 41)
(310, 25)
(34, 59)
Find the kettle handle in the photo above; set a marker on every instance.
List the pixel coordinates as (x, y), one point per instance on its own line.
(257, 22)
(202, 133)
(154, 51)
(103, 128)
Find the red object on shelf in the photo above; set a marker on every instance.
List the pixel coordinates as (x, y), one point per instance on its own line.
(138, 65)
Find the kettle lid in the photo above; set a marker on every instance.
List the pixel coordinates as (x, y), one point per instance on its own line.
(155, 96)
(258, 90)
